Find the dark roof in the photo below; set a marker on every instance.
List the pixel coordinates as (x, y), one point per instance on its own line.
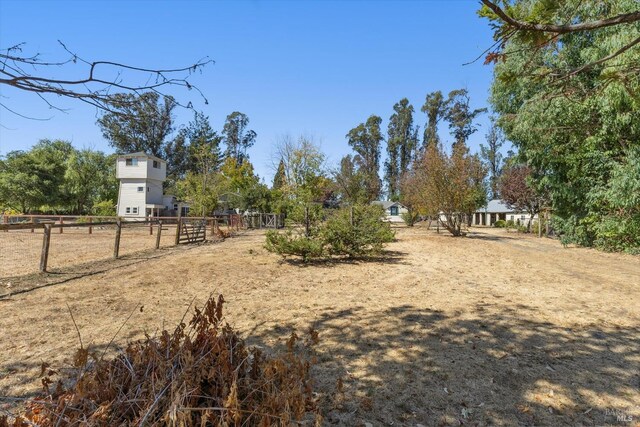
(496, 206)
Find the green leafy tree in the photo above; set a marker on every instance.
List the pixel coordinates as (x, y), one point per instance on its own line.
(145, 123)
(203, 162)
(236, 136)
(402, 140)
(89, 179)
(365, 140)
(619, 202)
(571, 115)
(350, 182)
(305, 179)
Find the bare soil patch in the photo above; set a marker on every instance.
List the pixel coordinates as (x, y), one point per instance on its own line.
(491, 329)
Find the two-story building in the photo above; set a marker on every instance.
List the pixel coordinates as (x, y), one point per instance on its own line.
(141, 176)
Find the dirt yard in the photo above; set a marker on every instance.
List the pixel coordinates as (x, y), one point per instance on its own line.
(492, 329)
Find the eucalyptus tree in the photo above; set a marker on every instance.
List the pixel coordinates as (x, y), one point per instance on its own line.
(237, 137)
(492, 156)
(571, 107)
(366, 140)
(402, 140)
(435, 107)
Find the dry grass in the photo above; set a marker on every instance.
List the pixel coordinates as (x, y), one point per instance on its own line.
(20, 250)
(493, 329)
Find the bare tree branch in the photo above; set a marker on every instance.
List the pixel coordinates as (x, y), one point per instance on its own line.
(94, 89)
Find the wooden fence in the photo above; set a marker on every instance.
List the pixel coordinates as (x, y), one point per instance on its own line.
(188, 229)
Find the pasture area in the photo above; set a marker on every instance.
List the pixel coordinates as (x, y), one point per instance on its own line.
(491, 329)
(20, 249)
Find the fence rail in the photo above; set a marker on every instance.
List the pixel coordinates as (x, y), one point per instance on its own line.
(31, 243)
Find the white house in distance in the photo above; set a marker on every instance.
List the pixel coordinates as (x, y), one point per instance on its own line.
(496, 210)
(141, 176)
(393, 210)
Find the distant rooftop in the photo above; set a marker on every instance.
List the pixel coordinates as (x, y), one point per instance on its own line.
(496, 206)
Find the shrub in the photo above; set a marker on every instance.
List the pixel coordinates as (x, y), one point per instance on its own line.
(510, 224)
(294, 243)
(356, 231)
(104, 208)
(500, 223)
(200, 374)
(410, 218)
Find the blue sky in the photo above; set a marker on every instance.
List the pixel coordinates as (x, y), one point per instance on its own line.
(313, 67)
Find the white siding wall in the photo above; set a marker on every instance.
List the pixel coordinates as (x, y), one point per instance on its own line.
(154, 192)
(124, 171)
(129, 197)
(144, 168)
(156, 173)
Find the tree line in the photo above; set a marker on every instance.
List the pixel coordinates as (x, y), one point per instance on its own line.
(203, 166)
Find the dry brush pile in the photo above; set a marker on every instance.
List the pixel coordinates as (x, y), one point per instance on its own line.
(201, 374)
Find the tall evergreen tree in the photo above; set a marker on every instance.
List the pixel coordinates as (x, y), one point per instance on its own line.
(145, 123)
(492, 156)
(435, 108)
(460, 115)
(401, 143)
(203, 145)
(280, 178)
(366, 139)
(236, 137)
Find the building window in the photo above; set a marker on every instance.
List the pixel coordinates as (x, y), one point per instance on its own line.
(128, 210)
(156, 164)
(140, 189)
(521, 217)
(511, 218)
(135, 210)
(131, 161)
(175, 207)
(185, 211)
(393, 210)
(148, 189)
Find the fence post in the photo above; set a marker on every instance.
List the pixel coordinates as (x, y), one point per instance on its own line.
(158, 234)
(32, 222)
(90, 226)
(178, 227)
(150, 227)
(61, 222)
(116, 248)
(306, 221)
(44, 256)
(204, 229)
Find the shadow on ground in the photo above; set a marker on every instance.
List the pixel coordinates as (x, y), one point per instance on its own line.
(385, 257)
(406, 366)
